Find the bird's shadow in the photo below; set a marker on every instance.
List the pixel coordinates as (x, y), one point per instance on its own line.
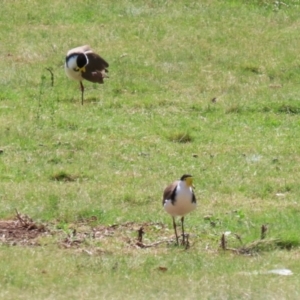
(89, 100)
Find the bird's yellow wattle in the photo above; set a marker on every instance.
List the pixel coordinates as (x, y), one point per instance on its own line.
(189, 181)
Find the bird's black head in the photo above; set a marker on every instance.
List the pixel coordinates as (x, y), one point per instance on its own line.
(188, 179)
(82, 60)
(185, 176)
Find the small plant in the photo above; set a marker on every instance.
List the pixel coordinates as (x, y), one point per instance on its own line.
(181, 137)
(252, 69)
(235, 108)
(289, 109)
(64, 176)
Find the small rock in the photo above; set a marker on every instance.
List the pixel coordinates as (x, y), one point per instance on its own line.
(284, 272)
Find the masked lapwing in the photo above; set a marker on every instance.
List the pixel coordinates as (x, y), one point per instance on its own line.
(178, 200)
(82, 63)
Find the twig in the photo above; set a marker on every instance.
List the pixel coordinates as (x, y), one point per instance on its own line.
(267, 242)
(238, 251)
(238, 237)
(264, 229)
(223, 242)
(187, 243)
(21, 219)
(142, 245)
(253, 246)
(141, 232)
(52, 76)
(28, 223)
(87, 252)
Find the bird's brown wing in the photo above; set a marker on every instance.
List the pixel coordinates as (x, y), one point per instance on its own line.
(169, 192)
(95, 69)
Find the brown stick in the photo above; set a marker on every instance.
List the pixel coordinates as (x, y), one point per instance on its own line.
(52, 76)
(142, 245)
(223, 242)
(20, 218)
(140, 234)
(264, 229)
(187, 242)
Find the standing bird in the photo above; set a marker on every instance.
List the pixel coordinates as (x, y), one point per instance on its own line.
(83, 63)
(179, 199)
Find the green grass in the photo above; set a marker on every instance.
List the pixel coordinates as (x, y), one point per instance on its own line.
(208, 88)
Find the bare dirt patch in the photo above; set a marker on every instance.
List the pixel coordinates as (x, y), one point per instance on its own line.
(21, 230)
(99, 239)
(129, 234)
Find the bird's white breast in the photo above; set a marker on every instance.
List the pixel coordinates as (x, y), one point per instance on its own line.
(70, 66)
(183, 202)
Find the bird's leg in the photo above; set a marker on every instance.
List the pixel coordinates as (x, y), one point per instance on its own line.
(82, 91)
(174, 225)
(183, 234)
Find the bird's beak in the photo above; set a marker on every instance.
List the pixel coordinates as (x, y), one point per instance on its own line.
(82, 69)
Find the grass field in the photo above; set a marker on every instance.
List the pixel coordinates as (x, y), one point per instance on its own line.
(209, 88)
